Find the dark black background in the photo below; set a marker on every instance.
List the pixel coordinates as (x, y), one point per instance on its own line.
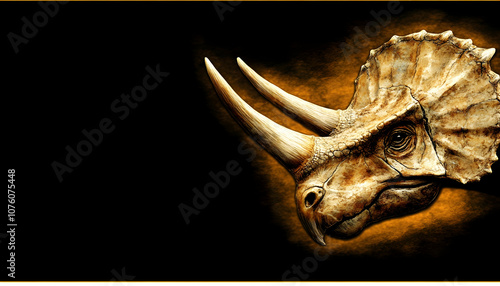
(119, 208)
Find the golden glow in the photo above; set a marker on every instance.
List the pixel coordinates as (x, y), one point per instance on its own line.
(331, 84)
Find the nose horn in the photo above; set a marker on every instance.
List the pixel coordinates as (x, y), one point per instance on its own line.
(306, 204)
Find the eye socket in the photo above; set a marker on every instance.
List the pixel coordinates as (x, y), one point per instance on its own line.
(400, 140)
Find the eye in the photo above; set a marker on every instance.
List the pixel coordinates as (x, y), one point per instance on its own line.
(400, 140)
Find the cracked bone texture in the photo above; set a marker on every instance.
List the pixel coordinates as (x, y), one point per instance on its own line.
(453, 82)
(394, 104)
(438, 88)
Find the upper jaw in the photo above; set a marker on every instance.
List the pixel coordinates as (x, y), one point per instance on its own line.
(409, 182)
(400, 197)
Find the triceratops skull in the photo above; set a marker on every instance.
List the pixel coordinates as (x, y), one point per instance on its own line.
(426, 107)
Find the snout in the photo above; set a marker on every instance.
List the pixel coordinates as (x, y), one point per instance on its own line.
(392, 201)
(345, 214)
(360, 191)
(321, 209)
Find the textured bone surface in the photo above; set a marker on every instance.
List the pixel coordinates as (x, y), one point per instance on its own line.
(425, 108)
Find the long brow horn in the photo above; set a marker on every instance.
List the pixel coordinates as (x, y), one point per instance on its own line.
(291, 148)
(320, 119)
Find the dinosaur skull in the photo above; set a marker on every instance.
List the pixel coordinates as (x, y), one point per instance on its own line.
(426, 107)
